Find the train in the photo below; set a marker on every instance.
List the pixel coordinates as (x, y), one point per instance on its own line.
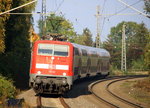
(55, 65)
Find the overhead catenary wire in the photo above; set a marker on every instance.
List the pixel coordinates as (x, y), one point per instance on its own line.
(117, 13)
(104, 17)
(18, 7)
(121, 14)
(134, 8)
(28, 13)
(103, 25)
(59, 6)
(49, 13)
(103, 6)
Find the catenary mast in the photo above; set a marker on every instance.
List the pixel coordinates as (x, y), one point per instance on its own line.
(98, 41)
(43, 18)
(123, 54)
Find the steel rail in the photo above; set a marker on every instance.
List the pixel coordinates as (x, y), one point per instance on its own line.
(100, 98)
(39, 102)
(119, 79)
(120, 98)
(65, 105)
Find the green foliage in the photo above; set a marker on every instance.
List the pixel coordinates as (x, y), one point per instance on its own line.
(136, 41)
(60, 25)
(138, 64)
(85, 38)
(7, 90)
(79, 39)
(4, 5)
(147, 53)
(15, 61)
(57, 24)
(17, 27)
(147, 6)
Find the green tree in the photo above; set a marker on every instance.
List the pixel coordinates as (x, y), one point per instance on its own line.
(147, 48)
(58, 24)
(79, 39)
(85, 38)
(4, 5)
(135, 43)
(15, 61)
(147, 53)
(147, 6)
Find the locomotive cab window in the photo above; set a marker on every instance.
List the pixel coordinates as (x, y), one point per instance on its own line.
(45, 49)
(61, 50)
(53, 50)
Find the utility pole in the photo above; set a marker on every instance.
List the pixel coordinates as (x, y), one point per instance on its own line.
(98, 41)
(123, 54)
(43, 18)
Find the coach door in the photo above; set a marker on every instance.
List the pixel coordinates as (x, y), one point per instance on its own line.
(84, 62)
(76, 61)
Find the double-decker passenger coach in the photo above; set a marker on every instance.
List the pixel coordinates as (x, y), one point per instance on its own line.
(55, 65)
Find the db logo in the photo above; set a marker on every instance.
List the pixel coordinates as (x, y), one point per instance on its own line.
(52, 66)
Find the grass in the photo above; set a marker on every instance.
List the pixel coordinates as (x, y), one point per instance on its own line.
(7, 91)
(129, 72)
(143, 84)
(139, 90)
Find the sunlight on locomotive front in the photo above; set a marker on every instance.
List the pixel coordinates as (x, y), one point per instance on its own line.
(51, 69)
(52, 59)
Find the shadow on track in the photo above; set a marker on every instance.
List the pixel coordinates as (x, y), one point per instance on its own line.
(80, 87)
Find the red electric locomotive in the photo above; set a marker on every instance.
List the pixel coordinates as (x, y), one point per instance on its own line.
(55, 65)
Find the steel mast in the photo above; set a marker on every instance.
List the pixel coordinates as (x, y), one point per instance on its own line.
(43, 18)
(98, 40)
(123, 54)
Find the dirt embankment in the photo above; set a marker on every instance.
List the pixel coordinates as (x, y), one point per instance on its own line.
(138, 89)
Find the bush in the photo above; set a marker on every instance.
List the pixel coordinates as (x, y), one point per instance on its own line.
(143, 84)
(7, 90)
(138, 65)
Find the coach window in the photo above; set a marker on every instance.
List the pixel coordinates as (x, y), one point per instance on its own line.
(76, 51)
(61, 50)
(45, 49)
(94, 54)
(102, 66)
(108, 65)
(84, 52)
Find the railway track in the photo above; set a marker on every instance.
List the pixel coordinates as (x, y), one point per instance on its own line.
(109, 98)
(65, 105)
(61, 99)
(71, 95)
(78, 97)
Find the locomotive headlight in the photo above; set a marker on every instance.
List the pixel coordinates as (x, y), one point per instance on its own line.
(52, 58)
(64, 74)
(64, 81)
(38, 72)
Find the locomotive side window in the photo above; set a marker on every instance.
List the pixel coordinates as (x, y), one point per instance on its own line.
(61, 50)
(45, 49)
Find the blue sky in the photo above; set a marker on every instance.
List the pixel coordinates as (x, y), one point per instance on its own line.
(82, 14)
